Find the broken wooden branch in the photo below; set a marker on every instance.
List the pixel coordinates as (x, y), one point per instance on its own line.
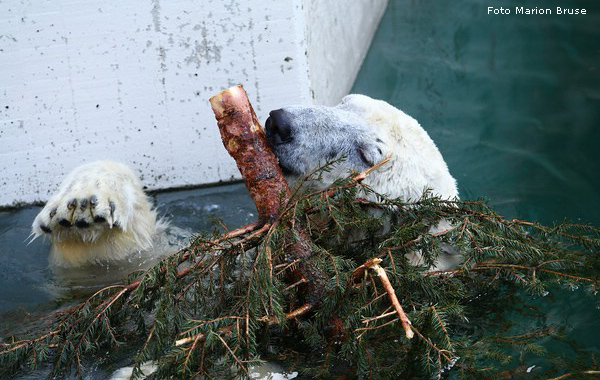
(373, 264)
(245, 140)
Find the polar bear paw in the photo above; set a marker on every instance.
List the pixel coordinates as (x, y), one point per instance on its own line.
(77, 212)
(100, 211)
(90, 195)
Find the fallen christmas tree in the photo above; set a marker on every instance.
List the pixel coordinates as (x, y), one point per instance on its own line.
(297, 292)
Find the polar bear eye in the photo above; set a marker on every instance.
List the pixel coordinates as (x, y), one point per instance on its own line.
(365, 156)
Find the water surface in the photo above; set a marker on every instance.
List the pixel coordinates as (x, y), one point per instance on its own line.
(513, 103)
(26, 282)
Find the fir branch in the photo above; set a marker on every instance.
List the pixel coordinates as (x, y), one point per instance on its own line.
(304, 289)
(237, 360)
(406, 324)
(570, 375)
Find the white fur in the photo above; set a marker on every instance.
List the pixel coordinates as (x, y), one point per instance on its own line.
(361, 128)
(416, 162)
(109, 213)
(122, 221)
(365, 131)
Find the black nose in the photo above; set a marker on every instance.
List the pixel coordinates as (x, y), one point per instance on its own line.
(279, 127)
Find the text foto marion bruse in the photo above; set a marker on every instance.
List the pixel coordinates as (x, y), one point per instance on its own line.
(535, 11)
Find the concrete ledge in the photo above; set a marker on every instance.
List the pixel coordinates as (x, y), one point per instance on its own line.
(130, 80)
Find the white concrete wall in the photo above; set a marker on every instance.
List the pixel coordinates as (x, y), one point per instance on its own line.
(338, 35)
(82, 80)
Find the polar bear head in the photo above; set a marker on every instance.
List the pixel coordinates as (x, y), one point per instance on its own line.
(364, 131)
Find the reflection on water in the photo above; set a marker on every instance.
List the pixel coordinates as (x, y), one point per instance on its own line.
(29, 290)
(24, 267)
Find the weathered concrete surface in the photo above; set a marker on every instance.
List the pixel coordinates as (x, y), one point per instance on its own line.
(130, 80)
(338, 35)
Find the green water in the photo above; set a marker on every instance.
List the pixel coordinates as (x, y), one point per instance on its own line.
(513, 103)
(29, 289)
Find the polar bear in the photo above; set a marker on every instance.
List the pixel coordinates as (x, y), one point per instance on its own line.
(100, 213)
(365, 131)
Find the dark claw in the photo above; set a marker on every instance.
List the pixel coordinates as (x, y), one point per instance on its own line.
(45, 229)
(83, 204)
(52, 213)
(72, 204)
(64, 223)
(112, 208)
(93, 201)
(99, 219)
(82, 223)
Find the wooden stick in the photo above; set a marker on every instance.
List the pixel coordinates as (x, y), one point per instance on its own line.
(266, 319)
(302, 310)
(245, 141)
(387, 285)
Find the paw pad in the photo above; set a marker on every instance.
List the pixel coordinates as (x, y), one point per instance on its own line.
(81, 223)
(64, 223)
(77, 213)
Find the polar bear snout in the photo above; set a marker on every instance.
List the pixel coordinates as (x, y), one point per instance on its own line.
(279, 127)
(279, 132)
(306, 138)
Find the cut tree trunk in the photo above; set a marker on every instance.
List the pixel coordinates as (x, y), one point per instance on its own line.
(245, 141)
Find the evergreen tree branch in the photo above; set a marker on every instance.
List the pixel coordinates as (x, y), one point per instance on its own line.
(570, 375)
(244, 139)
(406, 324)
(312, 298)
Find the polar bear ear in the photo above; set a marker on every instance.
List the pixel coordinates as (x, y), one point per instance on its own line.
(356, 103)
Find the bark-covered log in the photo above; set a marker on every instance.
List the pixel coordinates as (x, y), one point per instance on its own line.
(245, 141)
